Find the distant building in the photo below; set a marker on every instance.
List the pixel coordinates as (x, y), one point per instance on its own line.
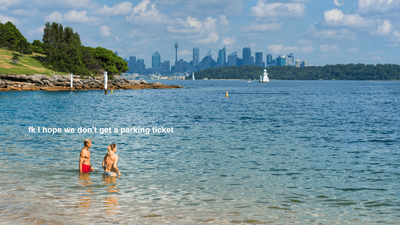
(290, 58)
(207, 62)
(239, 62)
(140, 65)
(167, 66)
(132, 64)
(155, 60)
(176, 52)
(232, 58)
(116, 52)
(246, 56)
(304, 64)
(297, 63)
(259, 59)
(196, 58)
(180, 66)
(269, 59)
(221, 57)
(281, 60)
(252, 60)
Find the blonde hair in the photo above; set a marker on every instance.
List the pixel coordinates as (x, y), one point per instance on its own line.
(110, 148)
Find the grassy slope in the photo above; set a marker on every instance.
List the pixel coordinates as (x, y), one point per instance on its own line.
(29, 64)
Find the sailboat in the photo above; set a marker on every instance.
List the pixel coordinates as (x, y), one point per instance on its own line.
(193, 76)
(264, 78)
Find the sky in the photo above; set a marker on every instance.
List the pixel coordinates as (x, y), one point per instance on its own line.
(318, 31)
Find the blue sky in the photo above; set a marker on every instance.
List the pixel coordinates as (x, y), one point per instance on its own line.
(319, 31)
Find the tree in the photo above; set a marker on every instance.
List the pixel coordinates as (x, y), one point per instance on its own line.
(15, 60)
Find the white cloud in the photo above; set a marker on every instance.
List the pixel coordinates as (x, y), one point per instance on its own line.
(282, 49)
(145, 13)
(335, 17)
(8, 3)
(337, 3)
(353, 50)
(72, 16)
(191, 25)
(384, 28)
(23, 12)
(5, 19)
(54, 17)
(262, 27)
(397, 34)
(200, 32)
(118, 39)
(212, 7)
(393, 45)
(229, 41)
(366, 6)
(105, 31)
(278, 9)
(79, 17)
(344, 34)
(122, 8)
(329, 48)
(38, 31)
(379, 52)
(212, 38)
(304, 42)
(64, 4)
(184, 52)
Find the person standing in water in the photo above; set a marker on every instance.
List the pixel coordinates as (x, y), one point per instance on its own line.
(110, 161)
(84, 159)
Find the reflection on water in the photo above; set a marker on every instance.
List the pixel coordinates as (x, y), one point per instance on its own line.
(85, 200)
(111, 202)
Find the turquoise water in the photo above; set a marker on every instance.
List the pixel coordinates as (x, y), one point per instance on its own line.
(304, 152)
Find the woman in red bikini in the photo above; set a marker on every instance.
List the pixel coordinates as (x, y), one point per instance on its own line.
(84, 159)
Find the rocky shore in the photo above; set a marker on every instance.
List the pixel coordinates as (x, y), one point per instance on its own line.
(39, 82)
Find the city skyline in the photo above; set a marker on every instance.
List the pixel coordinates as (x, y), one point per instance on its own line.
(182, 66)
(322, 32)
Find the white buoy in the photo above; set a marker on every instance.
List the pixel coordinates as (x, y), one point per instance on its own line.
(105, 82)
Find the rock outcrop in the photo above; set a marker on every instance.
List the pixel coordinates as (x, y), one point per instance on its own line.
(39, 82)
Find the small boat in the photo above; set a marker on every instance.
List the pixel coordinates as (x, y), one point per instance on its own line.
(248, 81)
(264, 78)
(205, 79)
(193, 76)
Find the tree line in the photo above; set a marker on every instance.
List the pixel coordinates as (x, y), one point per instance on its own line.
(64, 50)
(327, 72)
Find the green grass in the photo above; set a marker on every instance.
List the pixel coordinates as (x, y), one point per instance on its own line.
(29, 64)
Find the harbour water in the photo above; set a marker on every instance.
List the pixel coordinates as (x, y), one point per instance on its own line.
(308, 152)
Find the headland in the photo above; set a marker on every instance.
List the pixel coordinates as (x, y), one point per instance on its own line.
(40, 82)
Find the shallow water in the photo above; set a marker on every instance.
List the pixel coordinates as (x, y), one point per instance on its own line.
(318, 152)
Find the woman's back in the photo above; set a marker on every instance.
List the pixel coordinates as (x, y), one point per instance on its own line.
(110, 161)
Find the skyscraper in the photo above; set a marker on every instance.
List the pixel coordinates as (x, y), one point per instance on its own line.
(167, 66)
(196, 57)
(281, 60)
(304, 64)
(222, 57)
(297, 63)
(269, 59)
(232, 58)
(259, 58)
(132, 65)
(176, 52)
(290, 60)
(140, 65)
(246, 56)
(156, 59)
